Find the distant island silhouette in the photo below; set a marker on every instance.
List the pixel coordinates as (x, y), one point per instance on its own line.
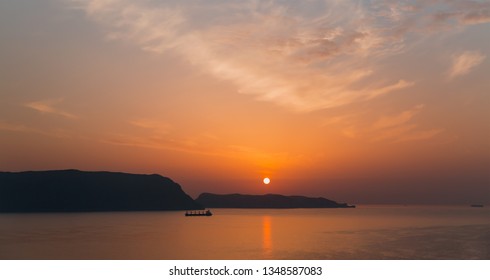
(266, 201)
(80, 191)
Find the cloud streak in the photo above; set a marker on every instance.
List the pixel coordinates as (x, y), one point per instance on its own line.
(400, 127)
(16, 127)
(156, 127)
(48, 107)
(394, 128)
(301, 58)
(397, 120)
(463, 63)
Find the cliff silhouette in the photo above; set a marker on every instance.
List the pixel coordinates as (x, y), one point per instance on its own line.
(79, 191)
(266, 201)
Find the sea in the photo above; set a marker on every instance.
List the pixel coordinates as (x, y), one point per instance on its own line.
(368, 232)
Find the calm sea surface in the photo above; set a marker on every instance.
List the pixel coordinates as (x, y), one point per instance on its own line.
(366, 232)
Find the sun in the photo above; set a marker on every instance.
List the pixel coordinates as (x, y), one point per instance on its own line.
(267, 181)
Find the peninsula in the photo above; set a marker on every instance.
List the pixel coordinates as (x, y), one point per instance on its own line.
(80, 191)
(266, 201)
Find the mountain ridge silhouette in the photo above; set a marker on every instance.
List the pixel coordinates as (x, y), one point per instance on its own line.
(73, 190)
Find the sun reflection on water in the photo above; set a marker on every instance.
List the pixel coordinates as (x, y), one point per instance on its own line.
(267, 240)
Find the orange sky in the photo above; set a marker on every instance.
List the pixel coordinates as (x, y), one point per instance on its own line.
(379, 102)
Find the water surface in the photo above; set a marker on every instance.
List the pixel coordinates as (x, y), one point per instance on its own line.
(366, 232)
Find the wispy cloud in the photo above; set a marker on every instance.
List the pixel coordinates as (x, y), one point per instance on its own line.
(49, 107)
(405, 133)
(464, 12)
(400, 127)
(157, 127)
(463, 63)
(266, 49)
(160, 135)
(159, 143)
(419, 135)
(397, 120)
(16, 127)
(392, 128)
(408, 16)
(287, 53)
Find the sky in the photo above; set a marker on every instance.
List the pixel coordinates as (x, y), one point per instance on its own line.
(357, 101)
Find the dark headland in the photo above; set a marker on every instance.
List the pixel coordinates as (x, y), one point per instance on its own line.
(80, 191)
(266, 201)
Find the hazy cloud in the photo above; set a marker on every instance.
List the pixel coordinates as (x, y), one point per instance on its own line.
(263, 47)
(158, 142)
(431, 15)
(397, 120)
(395, 128)
(16, 127)
(157, 127)
(419, 135)
(304, 57)
(400, 128)
(464, 12)
(157, 134)
(463, 63)
(48, 107)
(476, 17)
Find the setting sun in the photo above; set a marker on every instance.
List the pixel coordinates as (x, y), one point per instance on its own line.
(267, 181)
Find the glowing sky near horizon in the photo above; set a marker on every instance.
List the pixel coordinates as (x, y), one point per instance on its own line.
(358, 101)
